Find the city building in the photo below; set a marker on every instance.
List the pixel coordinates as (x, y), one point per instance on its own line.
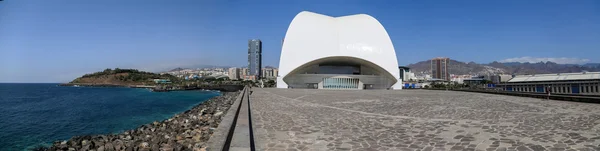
(234, 73)
(423, 77)
(475, 81)
(250, 77)
(254, 57)
(439, 68)
(348, 52)
(460, 78)
(586, 83)
(498, 78)
(243, 72)
(269, 73)
(406, 75)
(486, 81)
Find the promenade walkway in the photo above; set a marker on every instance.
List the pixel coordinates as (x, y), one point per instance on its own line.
(293, 119)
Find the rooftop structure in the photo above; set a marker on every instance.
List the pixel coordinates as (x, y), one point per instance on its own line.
(557, 77)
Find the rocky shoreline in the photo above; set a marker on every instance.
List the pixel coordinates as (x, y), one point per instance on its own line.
(189, 130)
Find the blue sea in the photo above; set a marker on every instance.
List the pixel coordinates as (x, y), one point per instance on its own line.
(38, 114)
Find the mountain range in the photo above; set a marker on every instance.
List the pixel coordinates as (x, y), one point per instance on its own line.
(514, 68)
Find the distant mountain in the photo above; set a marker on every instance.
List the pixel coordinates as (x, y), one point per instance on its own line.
(457, 67)
(176, 69)
(543, 67)
(592, 65)
(211, 66)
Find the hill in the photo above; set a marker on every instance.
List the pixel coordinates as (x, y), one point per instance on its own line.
(472, 68)
(122, 77)
(177, 69)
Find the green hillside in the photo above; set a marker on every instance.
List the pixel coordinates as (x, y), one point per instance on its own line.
(122, 77)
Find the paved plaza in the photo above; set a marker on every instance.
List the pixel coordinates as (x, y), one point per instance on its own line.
(299, 119)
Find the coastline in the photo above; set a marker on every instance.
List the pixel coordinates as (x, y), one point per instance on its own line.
(188, 130)
(218, 87)
(91, 85)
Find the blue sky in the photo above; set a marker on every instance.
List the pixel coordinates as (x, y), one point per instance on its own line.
(56, 41)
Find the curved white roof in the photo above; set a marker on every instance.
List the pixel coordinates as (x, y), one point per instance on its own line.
(313, 36)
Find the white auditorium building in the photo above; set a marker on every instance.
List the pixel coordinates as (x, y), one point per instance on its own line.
(348, 52)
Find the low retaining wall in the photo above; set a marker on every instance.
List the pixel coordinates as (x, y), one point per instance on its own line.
(565, 97)
(221, 138)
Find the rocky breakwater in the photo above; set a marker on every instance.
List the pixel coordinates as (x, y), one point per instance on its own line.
(189, 130)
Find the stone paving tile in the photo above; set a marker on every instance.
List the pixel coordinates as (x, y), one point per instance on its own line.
(419, 120)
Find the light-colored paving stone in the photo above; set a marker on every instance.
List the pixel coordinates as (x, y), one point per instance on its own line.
(293, 119)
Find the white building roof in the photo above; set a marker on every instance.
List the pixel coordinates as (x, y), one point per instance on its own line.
(557, 77)
(313, 36)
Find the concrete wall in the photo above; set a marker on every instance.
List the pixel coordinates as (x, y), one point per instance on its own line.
(364, 70)
(313, 69)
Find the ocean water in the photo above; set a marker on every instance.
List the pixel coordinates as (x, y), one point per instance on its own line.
(38, 114)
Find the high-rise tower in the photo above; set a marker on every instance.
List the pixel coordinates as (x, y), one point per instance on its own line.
(439, 68)
(254, 58)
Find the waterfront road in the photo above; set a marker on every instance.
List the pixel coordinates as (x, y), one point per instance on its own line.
(300, 119)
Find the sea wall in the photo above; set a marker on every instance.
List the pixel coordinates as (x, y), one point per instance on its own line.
(189, 130)
(219, 87)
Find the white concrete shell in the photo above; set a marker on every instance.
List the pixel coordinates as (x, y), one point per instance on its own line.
(311, 37)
